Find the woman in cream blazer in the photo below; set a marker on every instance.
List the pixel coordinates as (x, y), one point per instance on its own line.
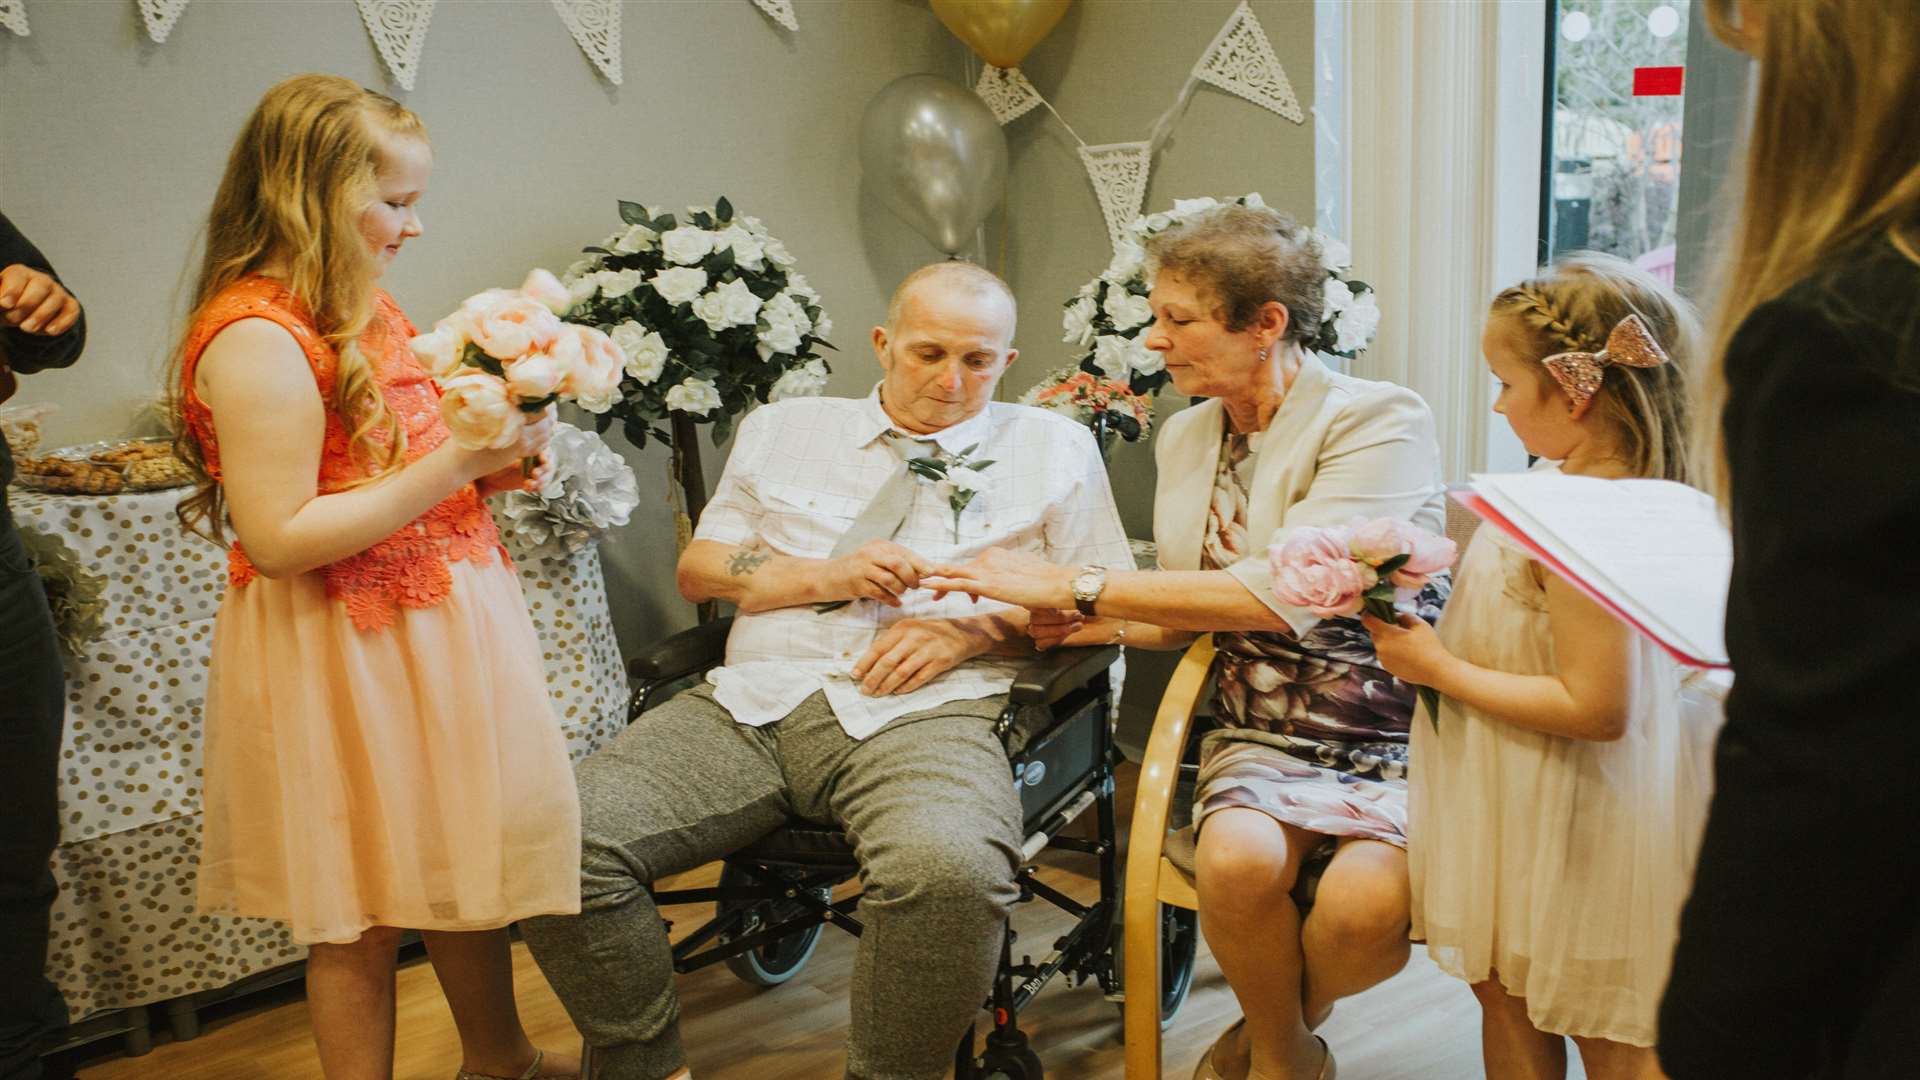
(1308, 765)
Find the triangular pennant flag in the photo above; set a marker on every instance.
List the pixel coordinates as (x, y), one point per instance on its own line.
(1119, 174)
(595, 26)
(399, 30)
(780, 11)
(1241, 61)
(13, 16)
(160, 15)
(1007, 92)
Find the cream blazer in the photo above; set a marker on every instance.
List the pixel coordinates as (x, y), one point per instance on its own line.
(1337, 448)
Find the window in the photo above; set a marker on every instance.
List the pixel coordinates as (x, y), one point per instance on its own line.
(1611, 178)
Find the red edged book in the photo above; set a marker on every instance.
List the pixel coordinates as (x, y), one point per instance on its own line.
(1653, 552)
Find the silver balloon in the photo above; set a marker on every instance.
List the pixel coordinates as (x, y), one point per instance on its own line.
(932, 151)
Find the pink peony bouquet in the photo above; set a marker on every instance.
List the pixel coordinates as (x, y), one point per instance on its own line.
(1360, 566)
(505, 356)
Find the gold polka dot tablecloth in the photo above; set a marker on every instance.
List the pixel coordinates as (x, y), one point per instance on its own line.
(124, 929)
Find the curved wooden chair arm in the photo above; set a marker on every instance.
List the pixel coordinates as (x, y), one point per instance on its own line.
(1152, 805)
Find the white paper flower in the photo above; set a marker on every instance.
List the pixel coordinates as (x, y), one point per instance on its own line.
(589, 489)
(696, 396)
(644, 349)
(823, 326)
(966, 478)
(754, 225)
(584, 288)
(1186, 208)
(636, 238)
(729, 304)
(1158, 222)
(1334, 255)
(776, 339)
(617, 283)
(807, 380)
(1078, 322)
(798, 285)
(1128, 259)
(1127, 310)
(577, 270)
(776, 251)
(1118, 356)
(686, 245)
(1253, 199)
(783, 309)
(1336, 296)
(679, 284)
(1356, 324)
(748, 251)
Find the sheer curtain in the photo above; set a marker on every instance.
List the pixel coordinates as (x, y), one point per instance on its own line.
(1441, 127)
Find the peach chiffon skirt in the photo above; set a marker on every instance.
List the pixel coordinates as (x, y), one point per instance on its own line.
(413, 776)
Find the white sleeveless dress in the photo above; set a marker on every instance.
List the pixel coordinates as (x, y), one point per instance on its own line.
(1559, 864)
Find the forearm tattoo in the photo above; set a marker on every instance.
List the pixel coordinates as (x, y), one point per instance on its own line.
(745, 561)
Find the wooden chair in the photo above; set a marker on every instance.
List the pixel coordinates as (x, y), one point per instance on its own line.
(1151, 880)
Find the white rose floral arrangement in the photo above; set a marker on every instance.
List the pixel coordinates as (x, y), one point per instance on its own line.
(708, 314)
(1107, 319)
(588, 490)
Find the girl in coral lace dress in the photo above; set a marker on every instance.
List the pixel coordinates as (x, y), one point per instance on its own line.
(380, 749)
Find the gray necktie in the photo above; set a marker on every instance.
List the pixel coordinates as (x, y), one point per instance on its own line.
(883, 515)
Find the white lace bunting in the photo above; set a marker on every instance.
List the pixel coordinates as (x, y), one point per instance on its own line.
(1119, 174)
(160, 15)
(399, 31)
(780, 11)
(1007, 92)
(595, 26)
(13, 16)
(1241, 61)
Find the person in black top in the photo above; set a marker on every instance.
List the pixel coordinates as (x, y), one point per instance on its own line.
(1799, 948)
(41, 326)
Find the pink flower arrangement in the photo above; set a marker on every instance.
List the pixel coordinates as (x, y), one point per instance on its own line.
(1360, 566)
(505, 356)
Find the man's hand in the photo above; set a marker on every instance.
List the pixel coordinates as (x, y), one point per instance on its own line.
(1050, 627)
(878, 570)
(913, 652)
(32, 301)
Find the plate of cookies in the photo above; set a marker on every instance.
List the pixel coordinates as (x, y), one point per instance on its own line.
(104, 468)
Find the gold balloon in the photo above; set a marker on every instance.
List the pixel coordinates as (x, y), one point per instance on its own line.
(1002, 32)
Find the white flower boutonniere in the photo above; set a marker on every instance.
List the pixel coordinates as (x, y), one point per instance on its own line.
(962, 477)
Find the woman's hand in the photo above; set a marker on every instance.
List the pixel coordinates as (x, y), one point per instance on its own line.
(1411, 649)
(1014, 577)
(1051, 627)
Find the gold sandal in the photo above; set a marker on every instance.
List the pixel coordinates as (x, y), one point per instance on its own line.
(532, 1072)
(1206, 1070)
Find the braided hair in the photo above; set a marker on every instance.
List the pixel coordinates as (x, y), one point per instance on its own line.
(1572, 305)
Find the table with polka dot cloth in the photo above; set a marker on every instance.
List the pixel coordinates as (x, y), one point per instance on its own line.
(124, 929)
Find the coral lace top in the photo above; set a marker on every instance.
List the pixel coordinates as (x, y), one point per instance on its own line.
(409, 568)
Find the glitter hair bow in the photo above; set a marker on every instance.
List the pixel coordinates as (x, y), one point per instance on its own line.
(1579, 373)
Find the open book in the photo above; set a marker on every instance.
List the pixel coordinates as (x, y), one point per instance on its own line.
(1652, 552)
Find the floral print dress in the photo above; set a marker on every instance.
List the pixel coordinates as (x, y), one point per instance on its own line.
(1312, 731)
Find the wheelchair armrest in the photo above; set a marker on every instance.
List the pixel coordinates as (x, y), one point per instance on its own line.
(1053, 675)
(688, 652)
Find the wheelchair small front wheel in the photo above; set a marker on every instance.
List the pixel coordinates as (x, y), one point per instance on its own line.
(1179, 948)
(776, 962)
(1021, 1064)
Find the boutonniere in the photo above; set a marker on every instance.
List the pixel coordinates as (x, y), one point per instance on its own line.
(963, 477)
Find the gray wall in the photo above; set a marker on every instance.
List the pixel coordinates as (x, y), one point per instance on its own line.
(114, 146)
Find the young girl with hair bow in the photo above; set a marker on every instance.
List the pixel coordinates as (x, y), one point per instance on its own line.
(1556, 807)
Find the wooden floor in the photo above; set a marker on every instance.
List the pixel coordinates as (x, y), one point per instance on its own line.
(1419, 1025)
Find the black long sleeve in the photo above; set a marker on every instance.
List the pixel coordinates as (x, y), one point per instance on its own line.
(27, 353)
(1823, 436)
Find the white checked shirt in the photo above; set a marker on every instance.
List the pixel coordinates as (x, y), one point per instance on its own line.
(801, 471)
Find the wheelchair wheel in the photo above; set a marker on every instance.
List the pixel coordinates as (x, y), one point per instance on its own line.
(1179, 944)
(776, 962)
(1021, 1064)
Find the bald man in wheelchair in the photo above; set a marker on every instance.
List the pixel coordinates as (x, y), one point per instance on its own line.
(849, 695)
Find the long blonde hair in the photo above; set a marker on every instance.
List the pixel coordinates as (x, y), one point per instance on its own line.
(1833, 158)
(1572, 305)
(301, 175)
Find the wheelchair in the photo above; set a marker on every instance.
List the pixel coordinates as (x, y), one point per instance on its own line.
(775, 897)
